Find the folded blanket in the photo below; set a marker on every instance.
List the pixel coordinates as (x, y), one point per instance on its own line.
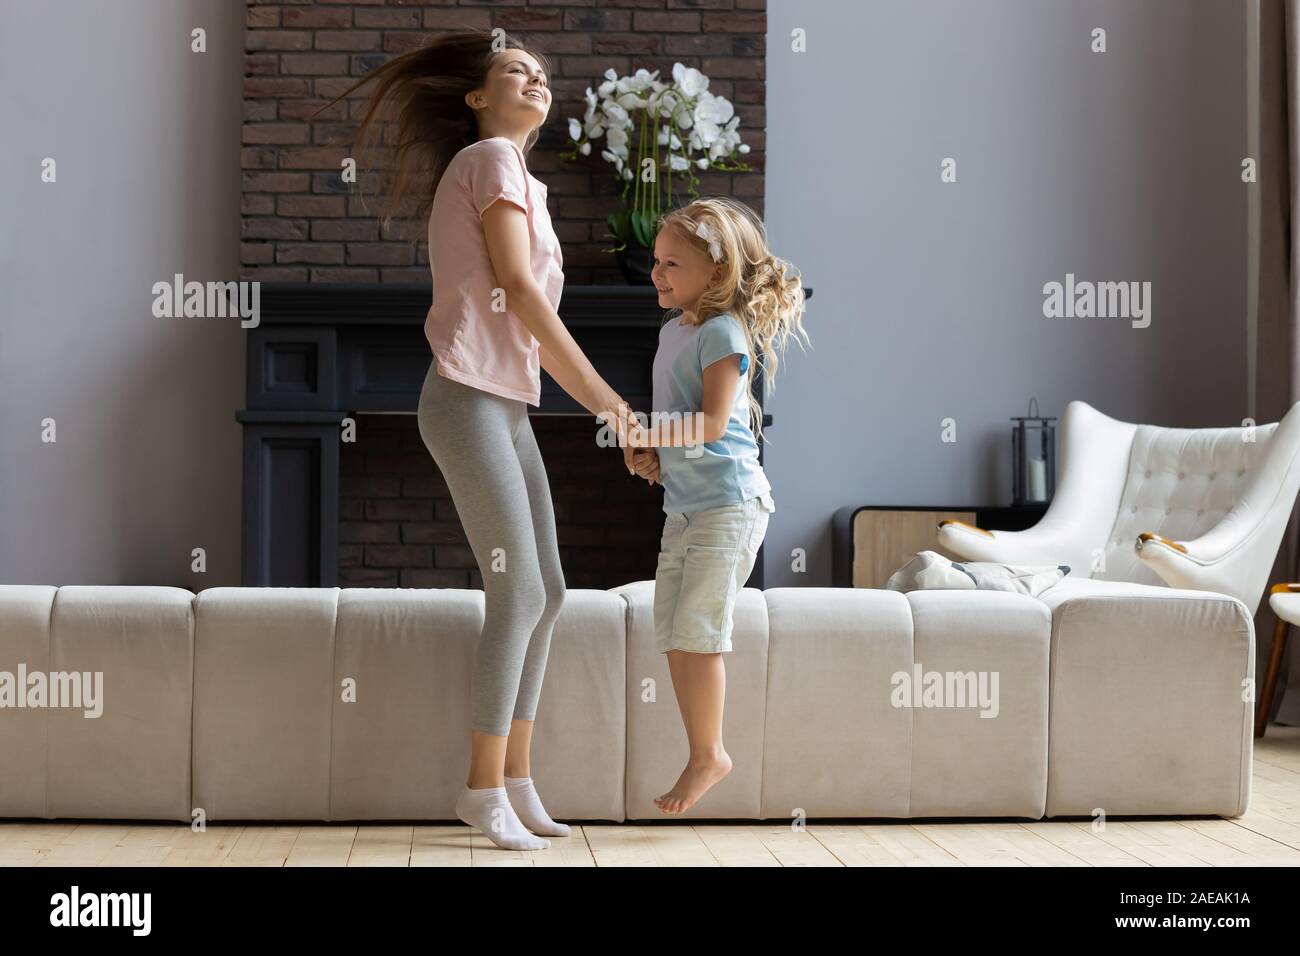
(929, 569)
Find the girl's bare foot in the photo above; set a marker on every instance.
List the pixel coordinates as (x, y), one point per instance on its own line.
(700, 774)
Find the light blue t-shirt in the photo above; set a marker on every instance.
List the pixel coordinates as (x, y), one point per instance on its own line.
(712, 473)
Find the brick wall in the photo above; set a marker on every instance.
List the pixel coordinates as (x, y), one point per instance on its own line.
(300, 225)
(398, 526)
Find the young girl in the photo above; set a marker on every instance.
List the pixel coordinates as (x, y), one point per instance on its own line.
(736, 303)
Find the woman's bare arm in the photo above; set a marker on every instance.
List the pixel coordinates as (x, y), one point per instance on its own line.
(505, 228)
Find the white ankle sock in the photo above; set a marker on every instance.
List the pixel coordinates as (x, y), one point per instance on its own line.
(528, 807)
(489, 810)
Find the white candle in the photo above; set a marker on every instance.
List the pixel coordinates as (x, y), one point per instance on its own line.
(1037, 479)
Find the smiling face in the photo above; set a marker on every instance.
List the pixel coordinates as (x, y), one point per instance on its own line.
(681, 272)
(515, 92)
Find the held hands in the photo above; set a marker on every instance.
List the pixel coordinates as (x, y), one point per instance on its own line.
(639, 459)
(630, 432)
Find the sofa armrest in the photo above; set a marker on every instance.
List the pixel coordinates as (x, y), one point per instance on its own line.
(1234, 558)
(964, 527)
(1053, 540)
(1151, 536)
(1125, 658)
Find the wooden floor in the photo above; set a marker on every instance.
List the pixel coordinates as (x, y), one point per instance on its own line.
(1269, 834)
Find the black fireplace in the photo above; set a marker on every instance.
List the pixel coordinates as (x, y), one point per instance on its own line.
(326, 352)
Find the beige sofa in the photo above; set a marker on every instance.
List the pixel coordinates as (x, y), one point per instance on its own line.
(352, 704)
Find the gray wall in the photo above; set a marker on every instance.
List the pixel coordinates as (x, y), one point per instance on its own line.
(146, 138)
(1115, 166)
(928, 296)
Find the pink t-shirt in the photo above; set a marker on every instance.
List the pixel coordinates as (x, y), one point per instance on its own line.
(490, 350)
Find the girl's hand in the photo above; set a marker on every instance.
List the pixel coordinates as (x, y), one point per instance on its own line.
(646, 463)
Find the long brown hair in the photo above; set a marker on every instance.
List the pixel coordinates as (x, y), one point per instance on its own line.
(761, 291)
(422, 93)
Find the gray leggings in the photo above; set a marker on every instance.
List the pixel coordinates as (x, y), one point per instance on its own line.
(484, 446)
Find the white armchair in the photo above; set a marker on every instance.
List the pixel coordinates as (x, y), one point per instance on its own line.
(1199, 508)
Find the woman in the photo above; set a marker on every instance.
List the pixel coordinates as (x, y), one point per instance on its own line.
(468, 109)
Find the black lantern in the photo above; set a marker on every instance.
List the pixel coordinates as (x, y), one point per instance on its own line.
(1033, 458)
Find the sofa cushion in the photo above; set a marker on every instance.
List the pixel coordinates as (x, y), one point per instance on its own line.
(263, 702)
(839, 744)
(401, 749)
(24, 642)
(133, 761)
(580, 740)
(1172, 666)
(656, 742)
(989, 759)
(125, 755)
(834, 745)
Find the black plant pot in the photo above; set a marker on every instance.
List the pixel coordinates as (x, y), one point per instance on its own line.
(635, 263)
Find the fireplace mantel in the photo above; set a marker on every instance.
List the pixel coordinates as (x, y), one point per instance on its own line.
(323, 352)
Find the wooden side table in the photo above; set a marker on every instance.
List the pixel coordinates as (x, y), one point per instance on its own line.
(871, 542)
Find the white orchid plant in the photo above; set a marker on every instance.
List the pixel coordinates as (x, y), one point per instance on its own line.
(662, 130)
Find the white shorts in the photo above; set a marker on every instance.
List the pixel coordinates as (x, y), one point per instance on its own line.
(705, 557)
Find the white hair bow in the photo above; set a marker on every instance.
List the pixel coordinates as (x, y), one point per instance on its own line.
(707, 233)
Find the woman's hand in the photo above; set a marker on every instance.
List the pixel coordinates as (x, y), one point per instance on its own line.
(631, 434)
(637, 437)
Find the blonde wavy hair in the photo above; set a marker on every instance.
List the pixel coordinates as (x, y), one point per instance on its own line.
(755, 287)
